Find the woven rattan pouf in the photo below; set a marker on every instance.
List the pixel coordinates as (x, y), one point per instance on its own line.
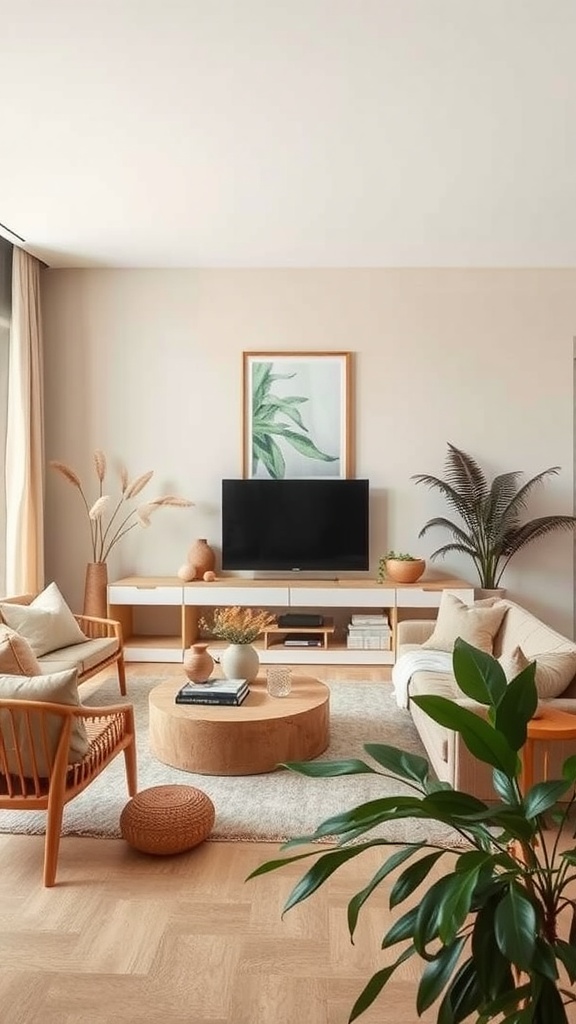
(167, 819)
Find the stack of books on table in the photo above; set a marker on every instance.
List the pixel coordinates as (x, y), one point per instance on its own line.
(216, 691)
(369, 632)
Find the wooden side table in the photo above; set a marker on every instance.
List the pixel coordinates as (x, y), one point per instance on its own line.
(550, 725)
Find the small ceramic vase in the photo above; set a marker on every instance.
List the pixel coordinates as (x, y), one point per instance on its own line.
(201, 557)
(198, 664)
(240, 661)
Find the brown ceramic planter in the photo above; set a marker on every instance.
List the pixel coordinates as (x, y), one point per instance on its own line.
(400, 570)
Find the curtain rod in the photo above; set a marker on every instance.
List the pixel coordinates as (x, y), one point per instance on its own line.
(5, 231)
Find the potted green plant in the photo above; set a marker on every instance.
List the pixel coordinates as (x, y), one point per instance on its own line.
(491, 531)
(400, 567)
(498, 930)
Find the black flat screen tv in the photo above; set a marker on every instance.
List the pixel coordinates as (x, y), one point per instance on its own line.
(295, 525)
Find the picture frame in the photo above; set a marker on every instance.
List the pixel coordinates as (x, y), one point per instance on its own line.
(296, 415)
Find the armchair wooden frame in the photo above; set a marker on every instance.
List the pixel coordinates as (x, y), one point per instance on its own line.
(26, 747)
(94, 628)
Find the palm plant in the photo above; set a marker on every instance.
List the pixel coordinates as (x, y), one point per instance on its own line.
(491, 532)
(498, 931)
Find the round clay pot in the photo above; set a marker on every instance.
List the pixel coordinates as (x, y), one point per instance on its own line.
(198, 664)
(201, 557)
(400, 570)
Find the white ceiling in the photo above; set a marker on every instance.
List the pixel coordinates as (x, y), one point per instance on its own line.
(188, 133)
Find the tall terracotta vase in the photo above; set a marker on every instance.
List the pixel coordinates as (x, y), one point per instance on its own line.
(201, 557)
(96, 590)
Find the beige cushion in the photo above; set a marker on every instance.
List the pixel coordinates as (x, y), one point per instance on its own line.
(59, 687)
(47, 623)
(82, 656)
(513, 663)
(476, 625)
(554, 672)
(16, 656)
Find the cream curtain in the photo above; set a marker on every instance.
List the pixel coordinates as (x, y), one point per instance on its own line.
(25, 433)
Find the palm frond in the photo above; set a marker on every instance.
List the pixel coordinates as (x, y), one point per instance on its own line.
(528, 532)
(453, 497)
(465, 475)
(457, 532)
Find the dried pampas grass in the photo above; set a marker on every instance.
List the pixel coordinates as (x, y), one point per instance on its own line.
(105, 536)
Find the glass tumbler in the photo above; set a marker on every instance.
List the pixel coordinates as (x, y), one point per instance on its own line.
(278, 680)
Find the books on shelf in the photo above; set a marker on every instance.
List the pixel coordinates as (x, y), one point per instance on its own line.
(229, 692)
(368, 619)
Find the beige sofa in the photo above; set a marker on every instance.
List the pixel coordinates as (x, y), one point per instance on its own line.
(102, 647)
(447, 754)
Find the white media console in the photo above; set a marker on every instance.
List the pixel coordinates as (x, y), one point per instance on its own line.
(159, 615)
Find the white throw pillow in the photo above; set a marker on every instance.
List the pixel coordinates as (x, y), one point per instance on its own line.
(59, 687)
(554, 670)
(477, 626)
(47, 623)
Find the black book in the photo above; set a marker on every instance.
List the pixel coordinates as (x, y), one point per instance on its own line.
(217, 691)
(229, 702)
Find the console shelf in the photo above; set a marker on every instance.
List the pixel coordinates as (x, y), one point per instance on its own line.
(139, 602)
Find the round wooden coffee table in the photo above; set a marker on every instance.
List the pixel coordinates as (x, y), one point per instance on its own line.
(246, 740)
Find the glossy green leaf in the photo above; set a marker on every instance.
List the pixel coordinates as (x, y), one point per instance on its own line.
(430, 911)
(478, 674)
(453, 802)
(569, 855)
(330, 769)
(542, 796)
(567, 954)
(549, 1007)
(569, 768)
(305, 446)
(507, 1001)
(506, 788)
(437, 973)
(544, 960)
(515, 928)
(455, 905)
(412, 877)
(394, 861)
(402, 929)
(327, 864)
(517, 707)
(462, 997)
(494, 973)
(481, 738)
(376, 984)
(407, 766)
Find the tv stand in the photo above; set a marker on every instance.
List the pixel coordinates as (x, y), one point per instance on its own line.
(159, 615)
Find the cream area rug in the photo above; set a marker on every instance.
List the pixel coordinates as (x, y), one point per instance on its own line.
(255, 808)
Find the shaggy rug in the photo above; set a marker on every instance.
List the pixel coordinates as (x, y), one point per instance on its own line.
(256, 808)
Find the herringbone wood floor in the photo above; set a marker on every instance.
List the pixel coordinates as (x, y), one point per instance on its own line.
(186, 940)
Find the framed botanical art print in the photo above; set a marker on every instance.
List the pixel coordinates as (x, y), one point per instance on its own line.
(296, 415)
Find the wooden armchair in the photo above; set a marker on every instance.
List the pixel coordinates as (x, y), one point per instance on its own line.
(35, 769)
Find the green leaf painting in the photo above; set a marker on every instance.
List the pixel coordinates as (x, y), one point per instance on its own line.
(296, 409)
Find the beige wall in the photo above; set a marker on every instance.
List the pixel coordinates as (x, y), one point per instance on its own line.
(146, 364)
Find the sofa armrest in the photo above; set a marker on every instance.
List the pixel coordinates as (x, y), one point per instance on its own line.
(94, 627)
(414, 631)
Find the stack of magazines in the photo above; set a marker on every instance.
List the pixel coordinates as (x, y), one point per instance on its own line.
(215, 691)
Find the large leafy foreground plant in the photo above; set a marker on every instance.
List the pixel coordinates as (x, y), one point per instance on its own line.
(497, 931)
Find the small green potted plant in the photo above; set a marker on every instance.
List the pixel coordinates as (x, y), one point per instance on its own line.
(490, 531)
(496, 932)
(400, 567)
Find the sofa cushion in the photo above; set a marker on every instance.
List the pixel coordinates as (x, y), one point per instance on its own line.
(16, 656)
(47, 623)
(476, 625)
(81, 656)
(554, 671)
(513, 663)
(59, 687)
